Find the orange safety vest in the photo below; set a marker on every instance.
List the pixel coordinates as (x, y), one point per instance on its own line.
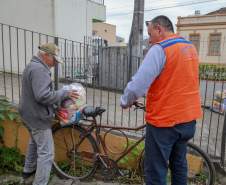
(174, 96)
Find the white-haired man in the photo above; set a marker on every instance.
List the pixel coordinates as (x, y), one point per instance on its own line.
(36, 108)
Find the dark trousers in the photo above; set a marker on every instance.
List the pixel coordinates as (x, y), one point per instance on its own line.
(166, 148)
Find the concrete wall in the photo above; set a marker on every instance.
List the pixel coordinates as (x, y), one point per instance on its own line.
(36, 15)
(113, 69)
(70, 19)
(17, 46)
(73, 18)
(17, 135)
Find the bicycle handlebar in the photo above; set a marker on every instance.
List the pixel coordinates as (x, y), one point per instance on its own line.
(139, 105)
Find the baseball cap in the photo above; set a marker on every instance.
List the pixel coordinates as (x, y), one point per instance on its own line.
(51, 49)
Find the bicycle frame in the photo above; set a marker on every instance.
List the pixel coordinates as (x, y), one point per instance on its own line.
(100, 140)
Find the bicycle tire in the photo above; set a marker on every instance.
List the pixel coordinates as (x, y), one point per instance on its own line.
(83, 163)
(205, 157)
(223, 147)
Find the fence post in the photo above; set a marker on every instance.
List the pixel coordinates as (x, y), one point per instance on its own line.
(223, 143)
(129, 59)
(56, 74)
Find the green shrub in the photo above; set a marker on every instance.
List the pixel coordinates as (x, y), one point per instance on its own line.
(134, 154)
(11, 160)
(215, 72)
(6, 112)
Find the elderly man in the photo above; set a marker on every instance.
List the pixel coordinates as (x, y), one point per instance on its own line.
(169, 78)
(36, 108)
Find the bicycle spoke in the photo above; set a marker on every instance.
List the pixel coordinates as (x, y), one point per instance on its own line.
(78, 161)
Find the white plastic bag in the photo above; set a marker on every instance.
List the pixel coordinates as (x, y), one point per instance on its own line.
(80, 102)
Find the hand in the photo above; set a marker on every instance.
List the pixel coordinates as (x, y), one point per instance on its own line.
(124, 106)
(122, 103)
(73, 94)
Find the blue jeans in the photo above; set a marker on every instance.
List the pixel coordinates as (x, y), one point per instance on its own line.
(166, 148)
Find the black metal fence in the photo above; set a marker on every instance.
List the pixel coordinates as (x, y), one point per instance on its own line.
(104, 72)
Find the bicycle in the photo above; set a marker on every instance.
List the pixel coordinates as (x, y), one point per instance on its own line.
(87, 150)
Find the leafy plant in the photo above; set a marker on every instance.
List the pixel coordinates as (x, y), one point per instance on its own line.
(11, 160)
(134, 154)
(214, 72)
(6, 112)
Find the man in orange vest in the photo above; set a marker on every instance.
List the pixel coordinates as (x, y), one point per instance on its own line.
(169, 78)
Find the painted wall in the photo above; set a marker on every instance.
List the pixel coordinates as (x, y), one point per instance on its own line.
(36, 15)
(204, 26)
(105, 31)
(71, 19)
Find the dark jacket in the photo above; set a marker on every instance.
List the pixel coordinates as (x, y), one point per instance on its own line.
(38, 96)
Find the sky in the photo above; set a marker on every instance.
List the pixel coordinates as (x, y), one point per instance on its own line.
(119, 12)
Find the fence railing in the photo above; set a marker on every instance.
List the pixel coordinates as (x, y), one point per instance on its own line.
(104, 72)
(98, 1)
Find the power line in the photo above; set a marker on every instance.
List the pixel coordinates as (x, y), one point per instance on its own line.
(151, 2)
(180, 5)
(166, 7)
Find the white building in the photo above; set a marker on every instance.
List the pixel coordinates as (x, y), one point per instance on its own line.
(71, 19)
(208, 34)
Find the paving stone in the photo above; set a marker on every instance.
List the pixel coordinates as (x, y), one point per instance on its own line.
(57, 181)
(10, 179)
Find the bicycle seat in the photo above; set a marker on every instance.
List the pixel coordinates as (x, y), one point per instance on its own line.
(90, 111)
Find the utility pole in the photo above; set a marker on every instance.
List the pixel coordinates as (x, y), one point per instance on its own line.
(135, 51)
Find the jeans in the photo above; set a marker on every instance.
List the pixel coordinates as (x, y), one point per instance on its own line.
(40, 155)
(166, 148)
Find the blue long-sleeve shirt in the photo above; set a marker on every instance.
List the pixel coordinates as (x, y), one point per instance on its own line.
(150, 68)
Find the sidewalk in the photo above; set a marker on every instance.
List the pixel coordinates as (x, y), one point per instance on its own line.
(11, 179)
(56, 181)
(17, 180)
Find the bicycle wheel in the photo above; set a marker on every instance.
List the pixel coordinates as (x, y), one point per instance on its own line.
(223, 147)
(201, 170)
(75, 155)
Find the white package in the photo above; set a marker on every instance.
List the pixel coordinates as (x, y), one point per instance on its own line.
(81, 101)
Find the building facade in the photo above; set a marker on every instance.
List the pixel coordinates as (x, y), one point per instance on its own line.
(25, 24)
(105, 31)
(208, 34)
(71, 19)
(108, 32)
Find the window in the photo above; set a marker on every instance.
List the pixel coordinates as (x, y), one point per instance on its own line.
(195, 39)
(215, 44)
